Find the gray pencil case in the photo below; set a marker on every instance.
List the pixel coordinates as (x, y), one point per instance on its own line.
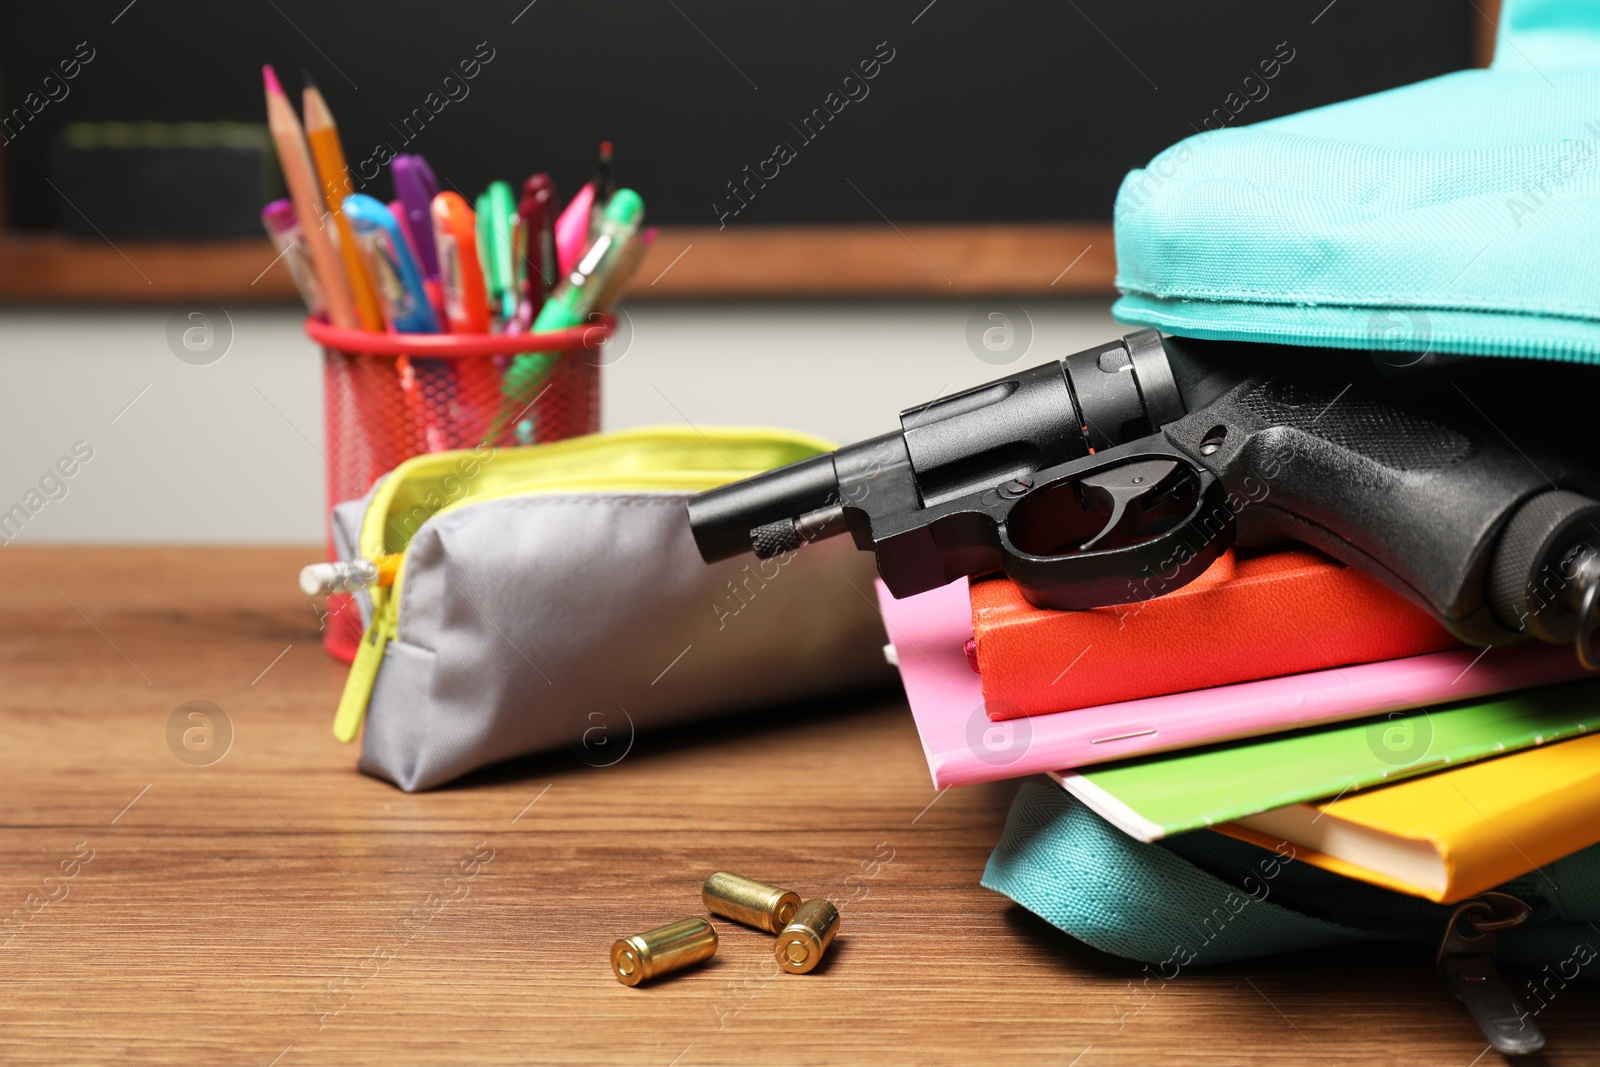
(552, 597)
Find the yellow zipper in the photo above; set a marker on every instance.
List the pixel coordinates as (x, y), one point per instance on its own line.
(364, 672)
(654, 459)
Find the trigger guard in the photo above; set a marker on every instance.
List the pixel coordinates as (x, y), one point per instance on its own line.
(1076, 581)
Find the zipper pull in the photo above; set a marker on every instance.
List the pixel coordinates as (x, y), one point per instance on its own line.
(1467, 966)
(363, 674)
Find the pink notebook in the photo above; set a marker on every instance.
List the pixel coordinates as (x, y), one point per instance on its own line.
(963, 746)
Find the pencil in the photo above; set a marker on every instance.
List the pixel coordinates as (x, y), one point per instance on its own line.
(323, 137)
(308, 203)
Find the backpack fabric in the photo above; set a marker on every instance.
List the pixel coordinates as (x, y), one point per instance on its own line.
(1202, 897)
(1457, 215)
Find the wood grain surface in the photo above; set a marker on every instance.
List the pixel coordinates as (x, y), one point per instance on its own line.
(277, 907)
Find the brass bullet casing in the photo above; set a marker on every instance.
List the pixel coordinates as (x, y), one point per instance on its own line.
(666, 948)
(807, 936)
(747, 901)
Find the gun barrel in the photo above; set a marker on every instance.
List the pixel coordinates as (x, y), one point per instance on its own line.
(723, 518)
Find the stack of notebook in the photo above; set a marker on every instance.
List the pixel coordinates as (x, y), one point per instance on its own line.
(1279, 698)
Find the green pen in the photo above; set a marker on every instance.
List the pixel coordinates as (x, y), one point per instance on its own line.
(575, 298)
(496, 210)
(480, 218)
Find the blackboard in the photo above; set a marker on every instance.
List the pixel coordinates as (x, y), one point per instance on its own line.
(973, 112)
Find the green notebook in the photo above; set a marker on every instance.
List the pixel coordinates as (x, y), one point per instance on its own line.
(1154, 796)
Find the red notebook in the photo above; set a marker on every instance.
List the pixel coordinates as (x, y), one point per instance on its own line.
(1246, 617)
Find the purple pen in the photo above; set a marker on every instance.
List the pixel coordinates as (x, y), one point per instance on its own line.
(415, 187)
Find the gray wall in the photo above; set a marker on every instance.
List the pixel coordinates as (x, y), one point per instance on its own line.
(229, 451)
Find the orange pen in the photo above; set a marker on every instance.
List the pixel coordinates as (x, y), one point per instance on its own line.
(466, 310)
(455, 235)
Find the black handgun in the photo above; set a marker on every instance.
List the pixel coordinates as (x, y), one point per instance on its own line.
(1121, 472)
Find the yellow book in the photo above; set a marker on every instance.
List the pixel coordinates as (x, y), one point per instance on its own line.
(1451, 835)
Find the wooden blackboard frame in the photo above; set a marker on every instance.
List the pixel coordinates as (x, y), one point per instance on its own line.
(1048, 258)
(685, 262)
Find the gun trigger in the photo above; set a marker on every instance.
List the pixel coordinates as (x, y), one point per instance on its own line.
(1120, 492)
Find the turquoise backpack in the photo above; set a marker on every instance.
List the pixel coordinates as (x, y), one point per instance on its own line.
(1457, 215)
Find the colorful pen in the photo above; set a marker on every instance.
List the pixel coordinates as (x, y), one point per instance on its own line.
(279, 220)
(429, 285)
(466, 305)
(628, 261)
(580, 291)
(466, 309)
(497, 213)
(392, 266)
(398, 210)
(604, 185)
(480, 217)
(572, 228)
(415, 187)
(578, 294)
(536, 246)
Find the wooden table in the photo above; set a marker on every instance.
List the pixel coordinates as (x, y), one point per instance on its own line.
(277, 907)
